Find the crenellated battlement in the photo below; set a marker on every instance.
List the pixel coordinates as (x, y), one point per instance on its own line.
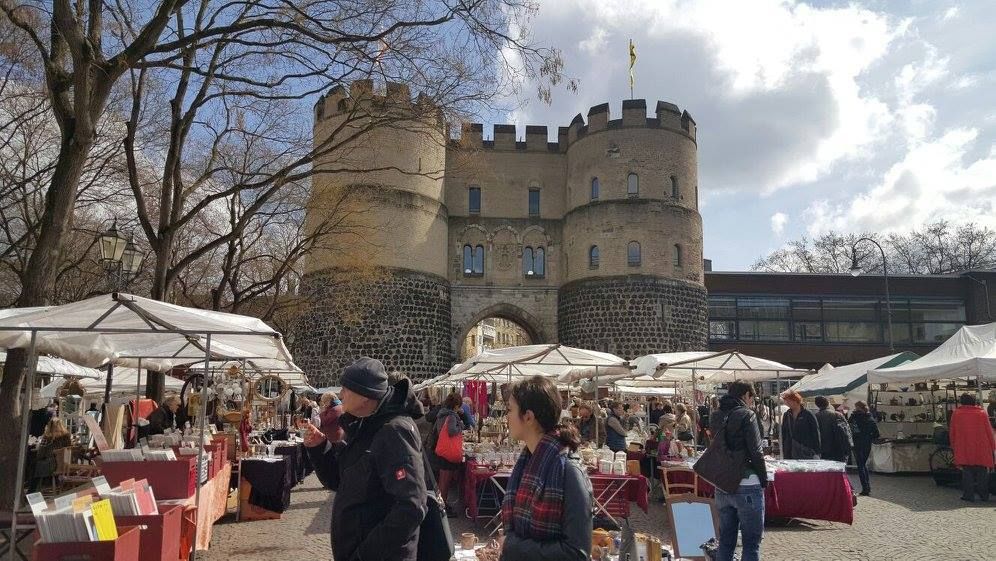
(634, 115)
(362, 97)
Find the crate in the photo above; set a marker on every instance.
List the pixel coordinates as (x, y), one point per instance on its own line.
(175, 479)
(125, 548)
(160, 540)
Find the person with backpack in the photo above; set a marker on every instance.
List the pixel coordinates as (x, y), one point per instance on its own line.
(734, 426)
(377, 472)
(865, 432)
(836, 441)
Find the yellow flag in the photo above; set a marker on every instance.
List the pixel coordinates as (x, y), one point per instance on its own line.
(632, 62)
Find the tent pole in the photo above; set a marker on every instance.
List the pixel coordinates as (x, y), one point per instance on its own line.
(138, 396)
(22, 451)
(202, 414)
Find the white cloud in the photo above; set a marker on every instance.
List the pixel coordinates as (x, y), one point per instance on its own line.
(950, 13)
(932, 181)
(778, 222)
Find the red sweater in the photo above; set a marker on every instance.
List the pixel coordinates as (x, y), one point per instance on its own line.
(972, 437)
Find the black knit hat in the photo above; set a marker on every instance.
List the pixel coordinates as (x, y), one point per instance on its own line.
(367, 377)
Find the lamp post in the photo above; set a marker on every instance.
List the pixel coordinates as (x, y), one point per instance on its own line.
(856, 270)
(120, 258)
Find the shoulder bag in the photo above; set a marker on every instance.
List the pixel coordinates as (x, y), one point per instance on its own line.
(719, 465)
(449, 448)
(435, 540)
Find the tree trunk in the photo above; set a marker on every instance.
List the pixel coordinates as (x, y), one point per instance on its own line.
(10, 423)
(160, 276)
(39, 280)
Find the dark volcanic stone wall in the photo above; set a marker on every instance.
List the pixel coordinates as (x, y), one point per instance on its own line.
(633, 315)
(401, 319)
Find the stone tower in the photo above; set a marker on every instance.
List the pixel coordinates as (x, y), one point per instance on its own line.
(388, 186)
(593, 240)
(633, 234)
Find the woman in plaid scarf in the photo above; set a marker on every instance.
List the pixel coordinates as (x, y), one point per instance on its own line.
(547, 507)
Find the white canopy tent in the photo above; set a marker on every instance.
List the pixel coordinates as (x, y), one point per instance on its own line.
(849, 381)
(55, 366)
(554, 360)
(124, 329)
(969, 353)
(662, 370)
(287, 371)
(123, 381)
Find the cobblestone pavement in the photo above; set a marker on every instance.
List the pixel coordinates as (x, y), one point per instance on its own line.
(907, 518)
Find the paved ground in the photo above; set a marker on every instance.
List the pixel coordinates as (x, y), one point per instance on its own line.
(908, 518)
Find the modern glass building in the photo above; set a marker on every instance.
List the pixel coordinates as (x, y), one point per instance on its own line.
(807, 320)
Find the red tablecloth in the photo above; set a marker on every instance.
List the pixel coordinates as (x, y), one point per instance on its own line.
(633, 489)
(811, 495)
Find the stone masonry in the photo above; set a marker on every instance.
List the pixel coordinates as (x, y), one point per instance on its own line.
(633, 315)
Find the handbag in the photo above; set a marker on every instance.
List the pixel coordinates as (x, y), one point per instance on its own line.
(685, 436)
(719, 465)
(435, 540)
(449, 448)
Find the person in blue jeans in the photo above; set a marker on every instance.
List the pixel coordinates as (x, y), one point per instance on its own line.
(743, 511)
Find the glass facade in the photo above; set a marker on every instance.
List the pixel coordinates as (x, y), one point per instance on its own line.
(836, 320)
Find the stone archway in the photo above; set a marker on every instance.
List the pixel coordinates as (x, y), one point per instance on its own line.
(529, 323)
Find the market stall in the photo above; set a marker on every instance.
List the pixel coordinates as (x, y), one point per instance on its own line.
(811, 489)
(913, 400)
(125, 330)
(848, 382)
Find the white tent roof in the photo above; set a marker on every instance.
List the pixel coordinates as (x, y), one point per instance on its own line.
(123, 381)
(499, 365)
(970, 352)
(288, 372)
(56, 366)
(842, 380)
(121, 328)
(702, 366)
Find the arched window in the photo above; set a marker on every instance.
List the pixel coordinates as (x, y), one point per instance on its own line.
(533, 262)
(633, 185)
(479, 260)
(593, 257)
(676, 255)
(595, 187)
(675, 193)
(633, 256)
(473, 261)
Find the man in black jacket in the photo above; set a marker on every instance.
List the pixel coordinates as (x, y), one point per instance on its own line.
(377, 472)
(835, 434)
(742, 511)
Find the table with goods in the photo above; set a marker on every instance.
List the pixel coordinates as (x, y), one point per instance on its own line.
(811, 489)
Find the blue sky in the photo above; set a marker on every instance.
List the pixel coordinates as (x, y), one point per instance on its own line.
(859, 116)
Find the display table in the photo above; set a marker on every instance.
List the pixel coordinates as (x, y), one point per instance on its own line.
(901, 456)
(264, 487)
(300, 463)
(212, 506)
(612, 493)
(811, 495)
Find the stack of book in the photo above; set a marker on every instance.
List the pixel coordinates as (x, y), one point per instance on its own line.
(137, 455)
(130, 498)
(73, 518)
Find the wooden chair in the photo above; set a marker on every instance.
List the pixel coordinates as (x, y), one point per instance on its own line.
(682, 487)
(69, 474)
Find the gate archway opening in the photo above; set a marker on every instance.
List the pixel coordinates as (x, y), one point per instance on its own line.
(494, 332)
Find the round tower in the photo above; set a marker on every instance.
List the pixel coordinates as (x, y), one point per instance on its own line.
(378, 286)
(634, 279)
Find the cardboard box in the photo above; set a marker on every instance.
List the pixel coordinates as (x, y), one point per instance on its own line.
(160, 540)
(125, 548)
(169, 480)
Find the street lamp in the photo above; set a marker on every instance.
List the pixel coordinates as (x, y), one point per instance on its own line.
(856, 270)
(120, 257)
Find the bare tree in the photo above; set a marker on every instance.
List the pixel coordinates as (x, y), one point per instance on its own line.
(207, 48)
(934, 249)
